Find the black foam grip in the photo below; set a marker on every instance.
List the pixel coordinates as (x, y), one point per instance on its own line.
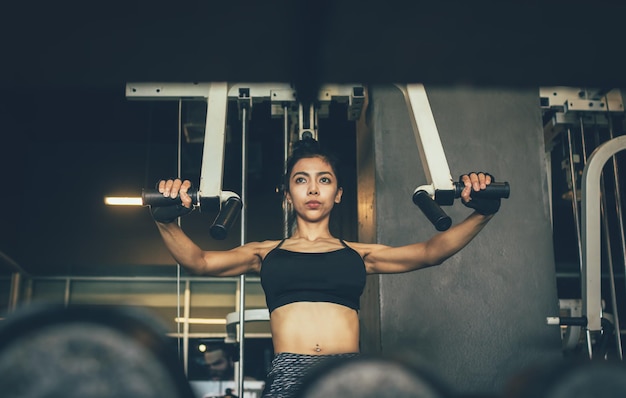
(495, 190)
(432, 211)
(152, 197)
(573, 321)
(226, 218)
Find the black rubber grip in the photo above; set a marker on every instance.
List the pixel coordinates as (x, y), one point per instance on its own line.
(226, 218)
(432, 211)
(152, 197)
(495, 190)
(573, 321)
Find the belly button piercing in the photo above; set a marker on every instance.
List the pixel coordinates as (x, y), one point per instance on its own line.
(317, 348)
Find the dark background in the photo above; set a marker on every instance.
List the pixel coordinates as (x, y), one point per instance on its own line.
(69, 136)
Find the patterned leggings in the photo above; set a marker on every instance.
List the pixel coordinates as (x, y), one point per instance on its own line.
(288, 371)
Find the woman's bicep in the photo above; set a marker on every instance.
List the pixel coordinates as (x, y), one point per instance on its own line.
(231, 262)
(391, 260)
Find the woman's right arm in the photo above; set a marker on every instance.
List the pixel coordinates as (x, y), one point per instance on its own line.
(232, 262)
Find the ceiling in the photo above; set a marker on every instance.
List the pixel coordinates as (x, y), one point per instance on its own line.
(74, 44)
(65, 123)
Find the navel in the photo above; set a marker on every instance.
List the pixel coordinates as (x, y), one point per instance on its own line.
(317, 348)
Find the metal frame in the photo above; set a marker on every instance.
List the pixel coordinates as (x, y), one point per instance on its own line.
(566, 109)
(440, 184)
(592, 306)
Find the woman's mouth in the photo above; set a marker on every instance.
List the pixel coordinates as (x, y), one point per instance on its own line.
(314, 204)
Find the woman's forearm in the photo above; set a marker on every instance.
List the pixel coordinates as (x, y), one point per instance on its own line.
(444, 245)
(182, 248)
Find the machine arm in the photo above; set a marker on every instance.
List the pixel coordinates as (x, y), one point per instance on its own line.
(423, 198)
(441, 190)
(210, 195)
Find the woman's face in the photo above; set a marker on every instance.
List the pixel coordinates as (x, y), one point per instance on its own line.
(313, 189)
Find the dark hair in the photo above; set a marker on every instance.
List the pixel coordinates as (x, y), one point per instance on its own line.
(227, 349)
(310, 148)
(373, 376)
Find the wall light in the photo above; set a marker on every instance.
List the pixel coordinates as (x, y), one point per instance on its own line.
(202, 321)
(122, 201)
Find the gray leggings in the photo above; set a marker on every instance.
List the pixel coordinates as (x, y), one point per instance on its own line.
(288, 371)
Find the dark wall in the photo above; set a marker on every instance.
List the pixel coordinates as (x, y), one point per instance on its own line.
(480, 317)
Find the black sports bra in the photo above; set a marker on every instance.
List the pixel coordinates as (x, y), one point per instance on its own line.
(336, 277)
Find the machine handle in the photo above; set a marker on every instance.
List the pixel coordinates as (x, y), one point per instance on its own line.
(226, 218)
(495, 190)
(152, 197)
(229, 211)
(432, 210)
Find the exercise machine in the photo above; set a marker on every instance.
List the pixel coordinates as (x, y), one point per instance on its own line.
(576, 115)
(442, 189)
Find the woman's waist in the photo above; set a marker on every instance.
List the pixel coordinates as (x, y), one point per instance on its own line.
(293, 357)
(315, 332)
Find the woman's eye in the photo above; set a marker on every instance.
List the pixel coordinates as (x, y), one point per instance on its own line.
(300, 180)
(325, 180)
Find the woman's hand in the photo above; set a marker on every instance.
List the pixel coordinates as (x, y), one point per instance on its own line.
(477, 182)
(172, 189)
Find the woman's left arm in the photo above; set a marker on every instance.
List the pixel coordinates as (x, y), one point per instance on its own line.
(381, 259)
(385, 259)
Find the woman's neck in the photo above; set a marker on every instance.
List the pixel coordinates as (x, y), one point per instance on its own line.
(312, 233)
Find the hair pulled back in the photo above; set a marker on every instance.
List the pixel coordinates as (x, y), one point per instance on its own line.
(310, 148)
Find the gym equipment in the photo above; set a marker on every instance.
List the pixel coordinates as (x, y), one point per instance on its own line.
(441, 190)
(569, 111)
(210, 194)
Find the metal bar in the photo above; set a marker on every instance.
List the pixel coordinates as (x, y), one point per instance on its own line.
(352, 94)
(620, 221)
(609, 254)
(572, 171)
(68, 287)
(9, 261)
(313, 121)
(427, 137)
(285, 156)
(609, 258)
(14, 291)
(225, 279)
(592, 306)
(224, 336)
(166, 91)
(186, 311)
(179, 222)
(242, 278)
(214, 138)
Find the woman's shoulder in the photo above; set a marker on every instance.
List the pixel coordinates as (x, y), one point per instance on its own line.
(364, 248)
(262, 247)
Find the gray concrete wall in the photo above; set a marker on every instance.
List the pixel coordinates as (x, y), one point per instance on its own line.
(479, 318)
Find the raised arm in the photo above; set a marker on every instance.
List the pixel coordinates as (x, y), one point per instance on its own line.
(381, 259)
(232, 262)
(386, 259)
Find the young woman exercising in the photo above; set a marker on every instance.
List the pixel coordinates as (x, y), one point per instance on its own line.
(312, 280)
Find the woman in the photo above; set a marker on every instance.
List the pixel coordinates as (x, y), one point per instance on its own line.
(312, 280)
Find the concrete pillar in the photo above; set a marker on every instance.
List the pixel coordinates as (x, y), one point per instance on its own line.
(480, 317)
